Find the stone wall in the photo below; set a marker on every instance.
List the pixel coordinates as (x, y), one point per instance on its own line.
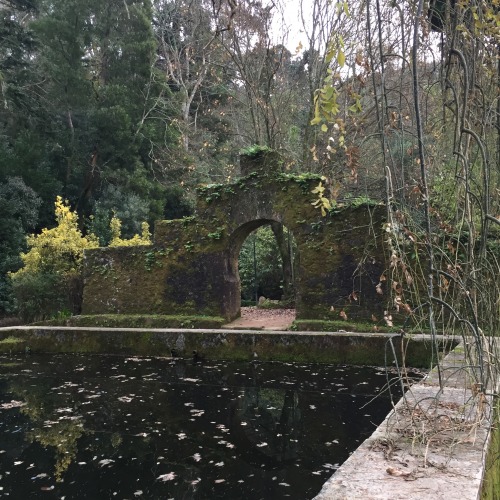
(192, 266)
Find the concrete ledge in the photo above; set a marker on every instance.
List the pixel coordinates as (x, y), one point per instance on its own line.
(346, 348)
(433, 445)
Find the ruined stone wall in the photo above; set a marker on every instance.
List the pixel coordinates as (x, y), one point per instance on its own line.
(191, 268)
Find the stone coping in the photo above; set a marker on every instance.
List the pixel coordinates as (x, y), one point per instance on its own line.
(291, 333)
(433, 445)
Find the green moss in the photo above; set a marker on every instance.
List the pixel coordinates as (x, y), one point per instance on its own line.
(137, 321)
(491, 480)
(317, 325)
(11, 340)
(12, 344)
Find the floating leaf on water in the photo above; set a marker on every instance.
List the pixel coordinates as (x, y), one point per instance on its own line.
(170, 476)
(40, 476)
(197, 457)
(261, 445)
(125, 399)
(181, 435)
(12, 404)
(105, 461)
(218, 481)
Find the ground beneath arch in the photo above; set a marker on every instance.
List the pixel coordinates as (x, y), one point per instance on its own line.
(263, 319)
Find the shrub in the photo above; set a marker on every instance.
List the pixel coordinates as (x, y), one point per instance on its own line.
(50, 281)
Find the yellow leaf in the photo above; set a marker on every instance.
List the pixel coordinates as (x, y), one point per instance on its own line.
(341, 58)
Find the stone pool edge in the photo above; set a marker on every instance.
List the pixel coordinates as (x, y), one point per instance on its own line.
(375, 349)
(436, 443)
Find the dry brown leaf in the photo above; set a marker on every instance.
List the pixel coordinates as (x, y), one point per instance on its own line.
(393, 471)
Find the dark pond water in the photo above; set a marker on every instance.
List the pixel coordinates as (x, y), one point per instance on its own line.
(102, 427)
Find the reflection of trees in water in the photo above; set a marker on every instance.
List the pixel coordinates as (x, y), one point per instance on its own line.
(63, 437)
(51, 424)
(270, 416)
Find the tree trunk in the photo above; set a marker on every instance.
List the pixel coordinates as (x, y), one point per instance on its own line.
(286, 257)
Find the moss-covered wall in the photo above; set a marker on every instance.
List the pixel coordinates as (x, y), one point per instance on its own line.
(192, 267)
(359, 349)
(490, 488)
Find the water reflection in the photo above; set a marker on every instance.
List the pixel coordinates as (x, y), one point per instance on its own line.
(106, 427)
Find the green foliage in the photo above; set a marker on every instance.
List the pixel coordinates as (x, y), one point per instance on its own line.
(58, 250)
(177, 204)
(19, 207)
(255, 150)
(117, 241)
(50, 279)
(129, 207)
(267, 280)
(80, 107)
(99, 224)
(275, 304)
(46, 294)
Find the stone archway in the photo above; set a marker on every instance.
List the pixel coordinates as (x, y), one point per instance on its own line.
(190, 268)
(233, 282)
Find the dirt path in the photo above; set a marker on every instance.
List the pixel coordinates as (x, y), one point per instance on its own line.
(265, 319)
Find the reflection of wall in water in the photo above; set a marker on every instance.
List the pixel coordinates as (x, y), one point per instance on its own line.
(270, 416)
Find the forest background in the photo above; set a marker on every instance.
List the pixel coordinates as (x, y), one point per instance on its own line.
(123, 107)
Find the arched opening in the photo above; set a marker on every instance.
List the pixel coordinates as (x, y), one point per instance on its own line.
(265, 266)
(262, 269)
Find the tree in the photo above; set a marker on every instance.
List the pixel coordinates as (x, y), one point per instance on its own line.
(193, 63)
(19, 206)
(429, 122)
(258, 72)
(185, 45)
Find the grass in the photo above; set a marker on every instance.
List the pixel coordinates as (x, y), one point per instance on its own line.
(137, 321)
